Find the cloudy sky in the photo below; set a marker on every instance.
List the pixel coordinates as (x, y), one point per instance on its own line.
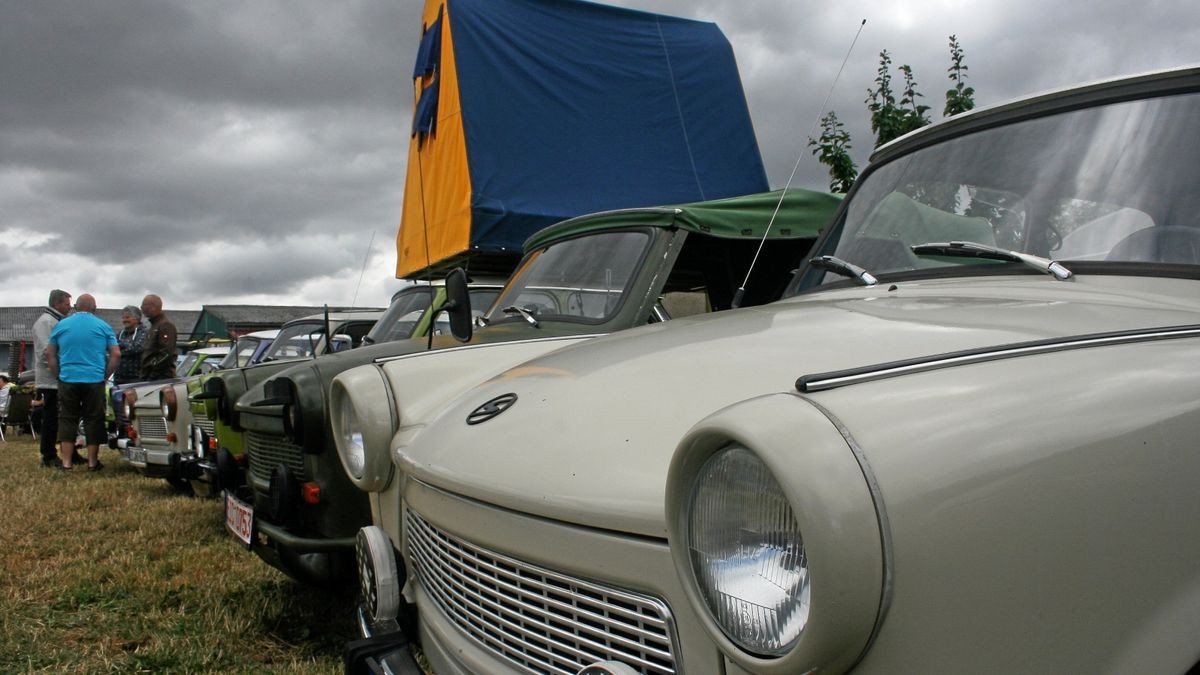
(247, 151)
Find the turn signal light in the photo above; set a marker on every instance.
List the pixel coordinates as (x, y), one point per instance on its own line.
(171, 437)
(311, 493)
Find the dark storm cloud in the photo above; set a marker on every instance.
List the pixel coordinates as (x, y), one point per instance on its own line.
(219, 149)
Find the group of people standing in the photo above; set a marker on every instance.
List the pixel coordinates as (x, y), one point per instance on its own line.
(76, 352)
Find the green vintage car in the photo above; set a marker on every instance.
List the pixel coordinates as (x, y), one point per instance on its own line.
(217, 441)
(579, 278)
(966, 441)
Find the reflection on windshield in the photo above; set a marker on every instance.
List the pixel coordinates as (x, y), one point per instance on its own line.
(1111, 183)
(402, 316)
(580, 279)
(296, 342)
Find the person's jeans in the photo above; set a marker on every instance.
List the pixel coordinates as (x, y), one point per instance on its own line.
(49, 439)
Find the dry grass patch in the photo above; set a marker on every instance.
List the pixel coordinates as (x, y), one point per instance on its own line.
(111, 572)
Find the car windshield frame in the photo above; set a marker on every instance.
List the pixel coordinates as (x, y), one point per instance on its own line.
(291, 332)
(530, 278)
(404, 304)
(1100, 187)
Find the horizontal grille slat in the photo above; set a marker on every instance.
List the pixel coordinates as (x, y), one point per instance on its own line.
(200, 419)
(153, 428)
(268, 451)
(462, 596)
(459, 580)
(537, 619)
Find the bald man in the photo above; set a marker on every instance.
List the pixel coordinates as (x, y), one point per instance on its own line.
(82, 353)
(158, 354)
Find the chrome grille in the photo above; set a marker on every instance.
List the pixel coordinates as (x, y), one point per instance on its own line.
(153, 428)
(536, 619)
(201, 420)
(268, 450)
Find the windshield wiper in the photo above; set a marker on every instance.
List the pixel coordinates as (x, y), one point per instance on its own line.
(525, 314)
(839, 266)
(970, 249)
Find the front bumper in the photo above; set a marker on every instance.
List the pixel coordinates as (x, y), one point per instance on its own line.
(155, 462)
(315, 560)
(565, 560)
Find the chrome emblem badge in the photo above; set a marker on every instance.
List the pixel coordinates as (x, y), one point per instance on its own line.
(492, 408)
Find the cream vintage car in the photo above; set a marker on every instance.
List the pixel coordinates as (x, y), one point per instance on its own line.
(965, 443)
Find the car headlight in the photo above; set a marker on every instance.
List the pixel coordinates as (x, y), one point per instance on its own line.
(130, 404)
(747, 553)
(350, 440)
(199, 441)
(775, 531)
(167, 402)
(364, 420)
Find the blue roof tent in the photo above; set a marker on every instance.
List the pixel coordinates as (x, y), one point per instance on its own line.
(568, 108)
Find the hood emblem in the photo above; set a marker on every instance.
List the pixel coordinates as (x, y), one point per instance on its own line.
(492, 408)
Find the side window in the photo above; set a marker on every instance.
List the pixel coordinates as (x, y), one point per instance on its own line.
(709, 271)
(356, 331)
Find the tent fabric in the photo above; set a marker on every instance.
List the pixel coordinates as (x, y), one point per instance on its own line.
(549, 109)
(801, 215)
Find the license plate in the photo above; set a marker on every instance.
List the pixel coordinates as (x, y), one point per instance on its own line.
(239, 519)
(137, 455)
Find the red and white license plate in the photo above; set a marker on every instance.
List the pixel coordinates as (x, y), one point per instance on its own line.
(239, 518)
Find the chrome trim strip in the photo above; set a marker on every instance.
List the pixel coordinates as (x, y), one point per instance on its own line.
(842, 378)
(389, 359)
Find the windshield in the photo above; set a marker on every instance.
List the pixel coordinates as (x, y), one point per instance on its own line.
(402, 316)
(297, 341)
(581, 279)
(1112, 183)
(189, 360)
(240, 356)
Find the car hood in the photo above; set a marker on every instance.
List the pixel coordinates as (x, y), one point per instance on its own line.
(591, 434)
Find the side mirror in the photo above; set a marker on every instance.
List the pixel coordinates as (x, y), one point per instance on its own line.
(458, 305)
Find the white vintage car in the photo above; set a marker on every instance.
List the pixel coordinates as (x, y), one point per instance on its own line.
(966, 443)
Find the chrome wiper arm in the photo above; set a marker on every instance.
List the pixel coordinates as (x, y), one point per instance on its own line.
(971, 249)
(524, 313)
(839, 266)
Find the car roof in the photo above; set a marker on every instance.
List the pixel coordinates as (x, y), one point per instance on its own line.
(1157, 83)
(340, 315)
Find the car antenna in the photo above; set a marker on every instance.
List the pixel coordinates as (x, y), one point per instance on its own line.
(741, 291)
(366, 257)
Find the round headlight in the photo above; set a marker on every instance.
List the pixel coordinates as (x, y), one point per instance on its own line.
(354, 452)
(746, 553)
(364, 418)
(199, 441)
(166, 402)
(130, 401)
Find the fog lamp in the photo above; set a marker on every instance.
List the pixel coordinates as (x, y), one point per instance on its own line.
(378, 574)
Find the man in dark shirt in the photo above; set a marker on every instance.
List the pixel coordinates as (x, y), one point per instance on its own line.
(158, 355)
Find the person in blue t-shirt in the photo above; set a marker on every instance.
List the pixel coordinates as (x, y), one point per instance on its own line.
(82, 353)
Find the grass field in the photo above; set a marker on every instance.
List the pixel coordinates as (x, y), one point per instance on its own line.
(111, 572)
